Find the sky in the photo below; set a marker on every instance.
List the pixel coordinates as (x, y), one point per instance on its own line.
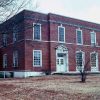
(88, 10)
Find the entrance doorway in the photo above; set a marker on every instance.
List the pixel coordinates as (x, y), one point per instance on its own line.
(61, 59)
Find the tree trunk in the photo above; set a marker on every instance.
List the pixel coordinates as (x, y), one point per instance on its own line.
(83, 77)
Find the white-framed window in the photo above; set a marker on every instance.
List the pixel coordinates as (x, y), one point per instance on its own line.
(80, 60)
(37, 58)
(94, 61)
(4, 60)
(61, 34)
(15, 58)
(36, 31)
(15, 33)
(4, 39)
(79, 37)
(93, 38)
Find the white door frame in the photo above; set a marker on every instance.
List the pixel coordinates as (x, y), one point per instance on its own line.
(62, 50)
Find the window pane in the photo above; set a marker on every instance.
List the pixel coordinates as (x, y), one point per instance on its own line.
(15, 33)
(79, 37)
(37, 58)
(93, 60)
(93, 35)
(79, 59)
(61, 34)
(15, 59)
(58, 61)
(37, 32)
(60, 55)
(4, 60)
(4, 37)
(62, 61)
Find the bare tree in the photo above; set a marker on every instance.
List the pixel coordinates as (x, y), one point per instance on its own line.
(83, 67)
(8, 8)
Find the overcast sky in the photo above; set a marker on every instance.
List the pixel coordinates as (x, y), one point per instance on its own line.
(88, 10)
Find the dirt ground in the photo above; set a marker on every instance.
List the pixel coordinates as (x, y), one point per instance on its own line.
(53, 87)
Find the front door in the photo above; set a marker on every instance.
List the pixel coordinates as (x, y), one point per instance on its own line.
(61, 63)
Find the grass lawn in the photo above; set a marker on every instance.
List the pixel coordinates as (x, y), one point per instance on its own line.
(53, 87)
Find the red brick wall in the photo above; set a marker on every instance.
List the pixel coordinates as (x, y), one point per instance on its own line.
(29, 55)
(49, 41)
(31, 45)
(11, 47)
(9, 51)
(70, 35)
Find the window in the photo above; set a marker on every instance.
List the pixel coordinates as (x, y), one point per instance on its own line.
(61, 34)
(80, 60)
(93, 38)
(15, 59)
(61, 61)
(94, 60)
(4, 39)
(79, 37)
(15, 33)
(4, 60)
(37, 32)
(37, 58)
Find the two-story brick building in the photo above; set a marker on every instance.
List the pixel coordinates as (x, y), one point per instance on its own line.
(33, 43)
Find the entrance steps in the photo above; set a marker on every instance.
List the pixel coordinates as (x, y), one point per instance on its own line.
(74, 73)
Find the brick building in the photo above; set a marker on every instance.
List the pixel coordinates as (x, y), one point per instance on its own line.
(33, 44)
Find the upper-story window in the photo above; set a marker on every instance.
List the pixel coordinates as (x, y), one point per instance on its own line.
(15, 59)
(4, 60)
(4, 39)
(37, 31)
(93, 38)
(37, 58)
(15, 33)
(61, 34)
(79, 37)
